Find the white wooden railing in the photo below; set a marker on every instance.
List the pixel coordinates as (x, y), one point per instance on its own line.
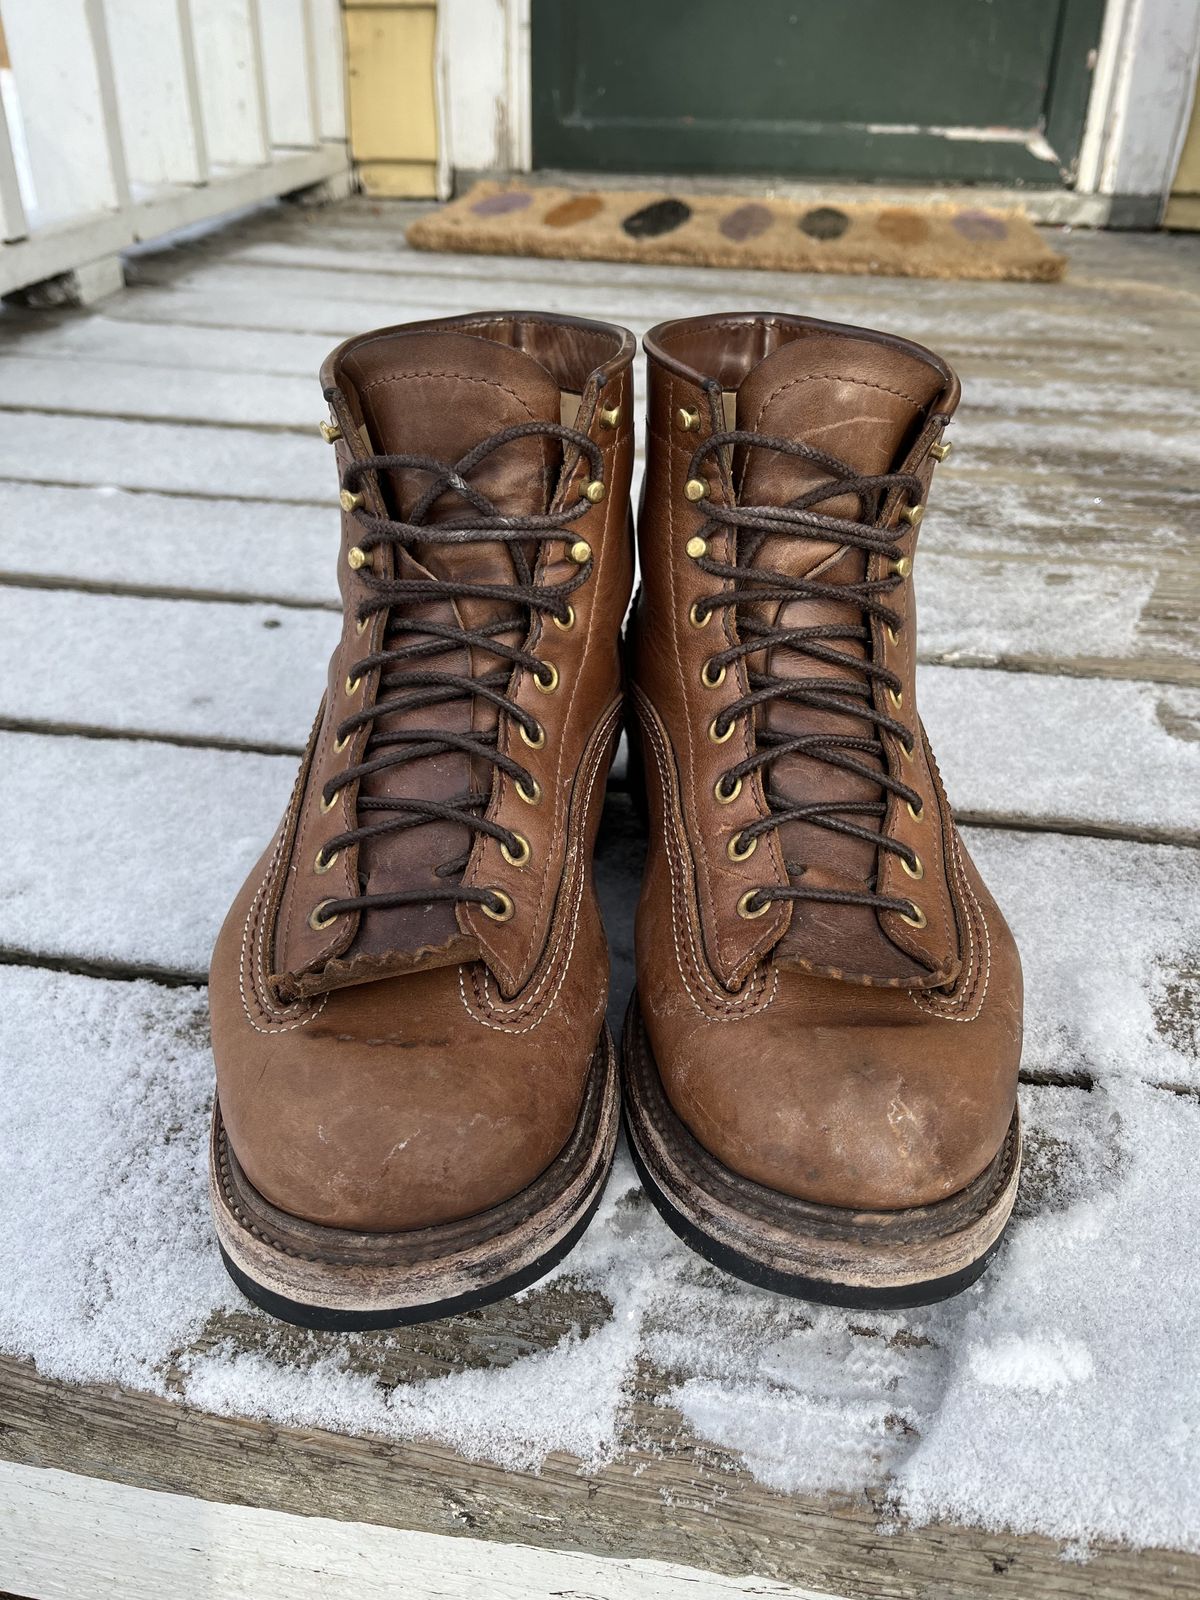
(124, 119)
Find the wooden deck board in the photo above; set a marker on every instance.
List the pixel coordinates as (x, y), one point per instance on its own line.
(164, 440)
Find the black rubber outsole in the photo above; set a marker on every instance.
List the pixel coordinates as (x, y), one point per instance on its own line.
(822, 1291)
(332, 1321)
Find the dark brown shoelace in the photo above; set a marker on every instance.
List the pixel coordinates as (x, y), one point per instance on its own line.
(852, 695)
(405, 685)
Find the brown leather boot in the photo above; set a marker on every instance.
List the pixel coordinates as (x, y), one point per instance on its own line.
(417, 1102)
(822, 1058)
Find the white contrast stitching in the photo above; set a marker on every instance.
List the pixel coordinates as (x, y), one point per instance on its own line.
(937, 1008)
(735, 1007)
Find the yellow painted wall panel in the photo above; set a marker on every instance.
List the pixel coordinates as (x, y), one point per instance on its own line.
(1187, 178)
(390, 69)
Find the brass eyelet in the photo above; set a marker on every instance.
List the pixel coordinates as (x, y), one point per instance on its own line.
(340, 744)
(580, 552)
(328, 805)
(594, 491)
(917, 816)
(687, 419)
(351, 501)
(708, 680)
(913, 514)
(902, 567)
(356, 557)
(330, 431)
(540, 683)
(569, 623)
(532, 796)
(896, 696)
(610, 416)
(736, 854)
(917, 869)
(506, 906)
(726, 797)
(534, 743)
(893, 634)
(352, 685)
(361, 626)
(939, 452)
(720, 738)
(696, 620)
(316, 921)
(908, 751)
(918, 918)
(695, 489)
(323, 863)
(696, 547)
(522, 853)
(748, 912)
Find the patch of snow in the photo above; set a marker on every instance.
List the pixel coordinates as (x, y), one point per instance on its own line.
(110, 536)
(119, 388)
(100, 875)
(1101, 750)
(235, 462)
(1040, 1362)
(247, 673)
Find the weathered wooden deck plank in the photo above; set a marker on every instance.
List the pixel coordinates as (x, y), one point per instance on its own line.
(704, 1509)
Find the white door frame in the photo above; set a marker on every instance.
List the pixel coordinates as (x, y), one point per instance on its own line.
(1141, 99)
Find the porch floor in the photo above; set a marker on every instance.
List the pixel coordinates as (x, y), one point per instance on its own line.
(167, 604)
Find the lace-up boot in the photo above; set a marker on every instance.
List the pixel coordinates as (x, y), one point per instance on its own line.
(821, 1061)
(417, 1101)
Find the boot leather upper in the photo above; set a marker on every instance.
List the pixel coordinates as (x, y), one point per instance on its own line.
(828, 1050)
(410, 1064)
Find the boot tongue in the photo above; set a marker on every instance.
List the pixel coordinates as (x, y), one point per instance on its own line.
(852, 398)
(862, 402)
(439, 395)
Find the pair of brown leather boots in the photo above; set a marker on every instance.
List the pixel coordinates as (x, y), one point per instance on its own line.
(418, 1096)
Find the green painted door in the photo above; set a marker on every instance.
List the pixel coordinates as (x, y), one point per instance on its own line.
(985, 91)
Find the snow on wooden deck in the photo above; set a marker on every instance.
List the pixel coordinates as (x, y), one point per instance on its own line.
(167, 535)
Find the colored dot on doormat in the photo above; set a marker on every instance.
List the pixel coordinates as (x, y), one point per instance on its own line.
(579, 208)
(499, 205)
(899, 226)
(659, 217)
(980, 225)
(747, 222)
(826, 222)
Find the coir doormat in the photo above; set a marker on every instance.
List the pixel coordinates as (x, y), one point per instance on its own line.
(936, 241)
